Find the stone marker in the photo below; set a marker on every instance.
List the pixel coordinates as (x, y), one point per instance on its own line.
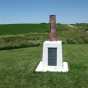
(52, 59)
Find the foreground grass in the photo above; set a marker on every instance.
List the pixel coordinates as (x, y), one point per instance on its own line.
(17, 69)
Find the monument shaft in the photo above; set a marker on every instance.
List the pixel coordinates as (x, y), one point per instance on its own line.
(52, 34)
(53, 23)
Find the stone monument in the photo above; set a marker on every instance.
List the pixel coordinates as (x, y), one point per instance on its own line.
(52, 58)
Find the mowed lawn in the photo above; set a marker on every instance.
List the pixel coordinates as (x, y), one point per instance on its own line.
(17, 68)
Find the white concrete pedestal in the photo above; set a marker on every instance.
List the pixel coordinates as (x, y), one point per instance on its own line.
(60, 65)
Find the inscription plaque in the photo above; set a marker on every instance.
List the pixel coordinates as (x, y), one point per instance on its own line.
(52, 56)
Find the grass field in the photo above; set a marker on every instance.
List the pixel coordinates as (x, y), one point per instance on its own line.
(22, 28)
(7, 29)
(17, 68)
(26, 35)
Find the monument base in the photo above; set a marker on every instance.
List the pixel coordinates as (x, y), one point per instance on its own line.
(52, 58)
(42, 68)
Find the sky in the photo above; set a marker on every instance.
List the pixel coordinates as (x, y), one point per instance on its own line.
(38, 11)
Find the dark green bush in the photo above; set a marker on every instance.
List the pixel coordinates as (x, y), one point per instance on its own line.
(71, 41)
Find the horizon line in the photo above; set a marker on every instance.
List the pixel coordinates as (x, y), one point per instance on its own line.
(43, 23)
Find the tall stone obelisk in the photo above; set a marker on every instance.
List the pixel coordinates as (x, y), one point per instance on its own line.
(52, 58)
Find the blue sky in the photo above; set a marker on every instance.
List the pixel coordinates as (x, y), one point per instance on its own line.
(37, 11)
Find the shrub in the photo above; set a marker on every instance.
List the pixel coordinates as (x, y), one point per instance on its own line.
(17, 42)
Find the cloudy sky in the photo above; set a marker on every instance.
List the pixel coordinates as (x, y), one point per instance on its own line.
(37, 11)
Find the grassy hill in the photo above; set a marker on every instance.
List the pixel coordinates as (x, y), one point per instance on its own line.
(22, 28)
(42, 27)
(26, 35)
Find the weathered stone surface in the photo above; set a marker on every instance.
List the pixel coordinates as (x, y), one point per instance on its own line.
(52, 23)
(52, 34)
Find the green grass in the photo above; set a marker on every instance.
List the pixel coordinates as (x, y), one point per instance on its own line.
(17, 68)
(7, 29)
(22, 28)
(68, 33)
